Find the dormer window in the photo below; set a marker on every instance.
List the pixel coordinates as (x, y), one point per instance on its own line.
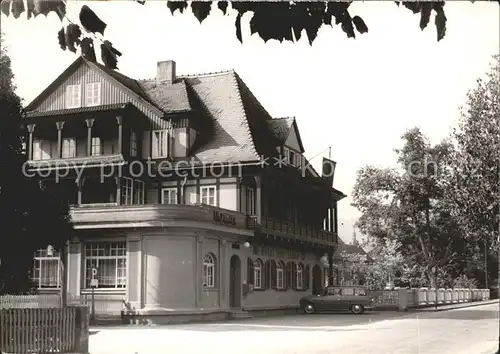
(73, 98)
(291, 157)
(93, 94)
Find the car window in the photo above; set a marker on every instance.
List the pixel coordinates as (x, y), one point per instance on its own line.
(332, 291)
(360, 292)
(348, 291)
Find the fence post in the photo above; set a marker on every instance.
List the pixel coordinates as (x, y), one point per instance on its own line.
(81, 329)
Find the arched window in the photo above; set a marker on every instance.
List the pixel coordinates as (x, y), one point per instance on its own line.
(280, 275)
(257, 274)
(209, 270)
(300, 276)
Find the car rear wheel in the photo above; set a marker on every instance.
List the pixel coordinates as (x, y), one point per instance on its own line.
(309, 308)
(357, 309)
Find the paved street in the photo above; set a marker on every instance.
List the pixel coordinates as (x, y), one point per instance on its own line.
(471, 330)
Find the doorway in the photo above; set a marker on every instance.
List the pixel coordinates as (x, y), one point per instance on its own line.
(317, 284)
(235, 282)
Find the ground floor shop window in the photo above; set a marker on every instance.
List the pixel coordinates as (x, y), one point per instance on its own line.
(110, 260)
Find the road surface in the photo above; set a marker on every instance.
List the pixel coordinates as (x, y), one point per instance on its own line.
(471, 330)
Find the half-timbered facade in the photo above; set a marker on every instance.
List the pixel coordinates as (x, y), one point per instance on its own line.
(185, 194)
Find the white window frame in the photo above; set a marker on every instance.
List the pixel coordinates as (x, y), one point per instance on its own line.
(169, 198)
(68, 147)
(326, 275)
(96, 143)
(160, 144)
(126, 191)
(257, 274)
(280, 275)
(133, 144)
(138, 193)
(205, 197)
(209, 270)
(40, 261)
(299, 276)
(93, 90)
(95, 252)
(73, 96)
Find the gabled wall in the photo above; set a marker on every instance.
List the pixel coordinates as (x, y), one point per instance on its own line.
(292, 141)
(84, 74)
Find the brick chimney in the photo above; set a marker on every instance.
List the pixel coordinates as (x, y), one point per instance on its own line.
(165, 71)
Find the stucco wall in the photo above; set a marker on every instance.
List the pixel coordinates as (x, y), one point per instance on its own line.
(261, 299)
(169, 275)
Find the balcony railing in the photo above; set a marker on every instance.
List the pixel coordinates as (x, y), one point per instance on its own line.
(292, 229)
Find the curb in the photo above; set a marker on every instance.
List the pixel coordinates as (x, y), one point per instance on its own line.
(453, 307)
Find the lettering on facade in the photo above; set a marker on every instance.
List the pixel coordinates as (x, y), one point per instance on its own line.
(267, 251)
(225, 219)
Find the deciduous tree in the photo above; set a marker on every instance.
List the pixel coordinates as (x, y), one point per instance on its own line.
(411, 205)
(31, 217)
(478, 162)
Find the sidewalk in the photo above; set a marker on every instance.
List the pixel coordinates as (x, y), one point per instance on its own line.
(431, 308)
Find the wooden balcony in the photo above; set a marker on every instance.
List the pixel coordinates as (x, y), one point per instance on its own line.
(293, 230)
(109, 216)
(76, 162)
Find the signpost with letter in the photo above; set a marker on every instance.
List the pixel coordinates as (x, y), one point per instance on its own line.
(93, 284)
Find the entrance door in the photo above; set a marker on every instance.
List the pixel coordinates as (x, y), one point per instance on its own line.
(235, 282)
(317, 284)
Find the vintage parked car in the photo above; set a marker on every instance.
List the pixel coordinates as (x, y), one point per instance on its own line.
(339, 298)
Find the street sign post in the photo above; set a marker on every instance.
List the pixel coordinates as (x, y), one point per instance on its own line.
(93, 284)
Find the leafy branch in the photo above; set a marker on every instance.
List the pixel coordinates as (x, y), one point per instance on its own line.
(281, 21)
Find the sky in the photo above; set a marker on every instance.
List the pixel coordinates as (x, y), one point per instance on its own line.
(357, 96)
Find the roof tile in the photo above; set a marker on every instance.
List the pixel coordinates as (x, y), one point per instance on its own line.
(232, 140)
(168, 97)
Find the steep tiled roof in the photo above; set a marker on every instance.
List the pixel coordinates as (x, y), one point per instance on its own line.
(123, 79)
(169, 98)
(280, 127)
(232, 139)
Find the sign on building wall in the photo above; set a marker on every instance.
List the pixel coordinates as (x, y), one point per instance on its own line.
(223, 218)
(266, 251)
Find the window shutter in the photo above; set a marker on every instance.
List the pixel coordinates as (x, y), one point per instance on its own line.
(288, 275)
(146, 144)
(267, 274)
(306, 277)
(273, 275)
(250, 273)
(294, 276)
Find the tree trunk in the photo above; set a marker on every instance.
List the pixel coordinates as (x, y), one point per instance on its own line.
(431, 278)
